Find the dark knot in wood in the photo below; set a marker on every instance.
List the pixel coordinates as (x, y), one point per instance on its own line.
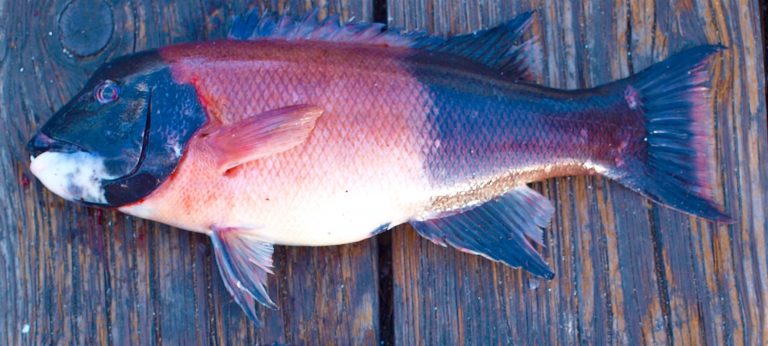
(86, 26)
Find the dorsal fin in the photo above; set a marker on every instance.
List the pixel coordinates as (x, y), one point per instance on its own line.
(499, 47)
(254, 26)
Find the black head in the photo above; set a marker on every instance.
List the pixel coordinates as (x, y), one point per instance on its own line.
(121, 136)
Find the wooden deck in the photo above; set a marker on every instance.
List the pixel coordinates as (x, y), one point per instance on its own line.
(628, 271)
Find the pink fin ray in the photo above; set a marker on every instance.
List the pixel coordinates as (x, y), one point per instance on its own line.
(243, 264)
(261, 135)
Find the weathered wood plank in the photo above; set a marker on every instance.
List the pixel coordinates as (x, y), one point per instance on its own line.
(75, 275)
(629, 271)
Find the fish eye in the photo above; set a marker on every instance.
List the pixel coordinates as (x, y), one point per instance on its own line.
(107, 91)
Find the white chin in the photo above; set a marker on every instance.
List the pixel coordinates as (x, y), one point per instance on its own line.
(73, 176)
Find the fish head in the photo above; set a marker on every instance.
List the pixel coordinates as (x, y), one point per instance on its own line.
(114, 143)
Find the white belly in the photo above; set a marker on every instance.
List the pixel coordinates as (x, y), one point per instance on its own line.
(345, 218)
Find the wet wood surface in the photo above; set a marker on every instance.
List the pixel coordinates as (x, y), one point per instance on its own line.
(628, 271)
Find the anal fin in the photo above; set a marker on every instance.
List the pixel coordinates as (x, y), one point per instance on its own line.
(498, 230)
(244, 263)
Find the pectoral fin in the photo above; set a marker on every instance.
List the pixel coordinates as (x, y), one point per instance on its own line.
(498, 230)
(262, 135)
(244, 263)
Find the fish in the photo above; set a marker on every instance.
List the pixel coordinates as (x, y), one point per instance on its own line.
(307, 132)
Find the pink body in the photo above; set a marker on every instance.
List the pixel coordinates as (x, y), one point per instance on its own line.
(358, 170)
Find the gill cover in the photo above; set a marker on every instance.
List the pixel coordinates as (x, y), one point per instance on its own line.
(139, 125)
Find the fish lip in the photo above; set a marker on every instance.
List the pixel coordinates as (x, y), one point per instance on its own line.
(41, 143)
(94, 204)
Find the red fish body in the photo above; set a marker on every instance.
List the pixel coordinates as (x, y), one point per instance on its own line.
(359, 168)
(320, 135)
(389, 147)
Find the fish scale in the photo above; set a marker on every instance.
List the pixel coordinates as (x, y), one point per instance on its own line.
(350, 123)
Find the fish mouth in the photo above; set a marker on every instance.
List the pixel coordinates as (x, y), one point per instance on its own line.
(42, 143)
(53, 162)
(75, 173)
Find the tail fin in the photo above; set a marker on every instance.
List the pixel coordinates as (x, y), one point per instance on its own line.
(673, 96)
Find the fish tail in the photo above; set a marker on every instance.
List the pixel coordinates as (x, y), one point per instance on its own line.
(671, 162)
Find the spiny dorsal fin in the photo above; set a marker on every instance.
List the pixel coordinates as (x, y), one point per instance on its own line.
(499, 47)
(254, 26)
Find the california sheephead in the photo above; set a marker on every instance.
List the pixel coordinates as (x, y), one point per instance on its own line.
(313, 133)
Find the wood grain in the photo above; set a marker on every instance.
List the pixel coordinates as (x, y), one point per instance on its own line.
(629, 271)
(75, 275)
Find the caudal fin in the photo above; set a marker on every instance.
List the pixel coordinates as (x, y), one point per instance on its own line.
(673, 168)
